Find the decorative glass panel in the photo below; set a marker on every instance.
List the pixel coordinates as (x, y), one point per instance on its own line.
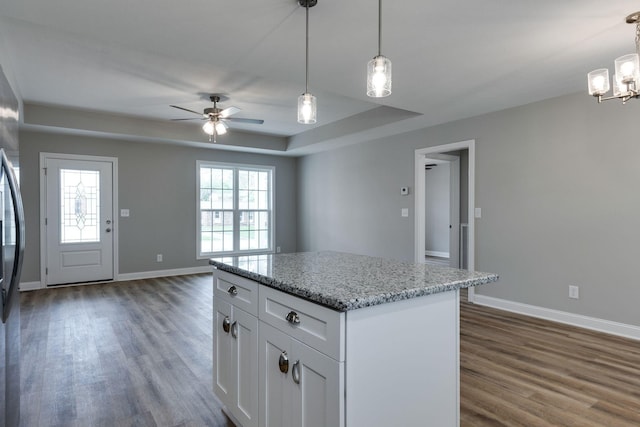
(79, 206)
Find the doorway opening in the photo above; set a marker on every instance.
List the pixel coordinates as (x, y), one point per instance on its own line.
(78, 233)
(458, 221)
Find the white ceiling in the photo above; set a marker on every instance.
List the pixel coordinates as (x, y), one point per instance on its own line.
(451, 59)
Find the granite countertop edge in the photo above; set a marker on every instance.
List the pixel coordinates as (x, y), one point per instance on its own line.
(352, 304)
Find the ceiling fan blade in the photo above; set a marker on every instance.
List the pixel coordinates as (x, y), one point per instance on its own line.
(195, 118)
(185, 109)
(229, 111)
(239, 120)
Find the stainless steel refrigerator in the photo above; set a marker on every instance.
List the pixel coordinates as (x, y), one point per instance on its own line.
(11, 254)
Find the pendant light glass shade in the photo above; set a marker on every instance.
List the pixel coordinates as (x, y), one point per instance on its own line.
(379, 77)
(306, 109)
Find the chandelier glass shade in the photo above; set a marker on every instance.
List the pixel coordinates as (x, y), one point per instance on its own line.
(626, 79)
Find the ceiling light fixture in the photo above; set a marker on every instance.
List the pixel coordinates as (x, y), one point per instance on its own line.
(626, 80)
(214, 127)
(307, 112)
(379, 68)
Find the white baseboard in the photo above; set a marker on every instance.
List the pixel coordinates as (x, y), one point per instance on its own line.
(592, 323)
(29, 286)
(32, 286)
(436, 253)
(164, 273)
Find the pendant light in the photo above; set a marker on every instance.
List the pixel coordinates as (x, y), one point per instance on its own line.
(307, 102)
(379, 68)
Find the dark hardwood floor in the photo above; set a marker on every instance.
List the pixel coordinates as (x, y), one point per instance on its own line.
(139, 353)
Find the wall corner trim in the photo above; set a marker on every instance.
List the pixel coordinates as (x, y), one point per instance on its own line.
(591, 323)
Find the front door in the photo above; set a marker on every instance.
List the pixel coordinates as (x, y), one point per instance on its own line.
(79, 221)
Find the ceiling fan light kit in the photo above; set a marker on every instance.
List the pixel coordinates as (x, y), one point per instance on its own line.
(626, 80)
(379, 68)
(216, 118)
(307, 108)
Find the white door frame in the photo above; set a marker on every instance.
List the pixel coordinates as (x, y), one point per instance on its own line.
(419, 240)
(454, 203)
(43, 208)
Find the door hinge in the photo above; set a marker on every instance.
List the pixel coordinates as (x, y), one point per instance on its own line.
(45, 170)
(46, 270)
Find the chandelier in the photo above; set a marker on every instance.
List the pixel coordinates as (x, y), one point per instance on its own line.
(626, 80)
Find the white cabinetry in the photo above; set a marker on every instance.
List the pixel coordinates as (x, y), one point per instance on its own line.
(298, 384)
(389, 364)
(235, 332)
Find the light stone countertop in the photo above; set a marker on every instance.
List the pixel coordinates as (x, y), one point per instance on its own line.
(344, 281)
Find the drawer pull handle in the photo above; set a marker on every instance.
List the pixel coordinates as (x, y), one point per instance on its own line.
(293, 318)
(226, 324)
(283, 363)
(233, 291)
(234, 330)
(295, 372)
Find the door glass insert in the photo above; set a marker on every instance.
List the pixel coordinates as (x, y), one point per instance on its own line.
(79, 206)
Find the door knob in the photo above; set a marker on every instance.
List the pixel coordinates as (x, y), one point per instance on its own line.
(108, 221)
(233, 291)
(108, 230)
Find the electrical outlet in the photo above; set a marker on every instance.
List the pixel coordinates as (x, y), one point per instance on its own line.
(159, 258)
(278, 249)
(574, 292)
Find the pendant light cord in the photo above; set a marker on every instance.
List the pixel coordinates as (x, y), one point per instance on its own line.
(379, 27)
(306, 83)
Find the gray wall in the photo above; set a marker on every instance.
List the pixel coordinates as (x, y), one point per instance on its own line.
(558, 185)
(437, 207)
(157, 184)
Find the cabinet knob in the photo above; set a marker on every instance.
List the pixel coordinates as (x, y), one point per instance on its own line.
(234, 330)
(293, 318)
(233, 291)
(283, 363)
(226, 324)
(295, 372)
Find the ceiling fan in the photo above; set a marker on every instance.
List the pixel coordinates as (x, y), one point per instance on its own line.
(217, 117)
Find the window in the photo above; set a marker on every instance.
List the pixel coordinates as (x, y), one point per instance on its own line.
(234, 208)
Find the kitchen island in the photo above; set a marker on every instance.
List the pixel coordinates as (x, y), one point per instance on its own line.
(337, 339)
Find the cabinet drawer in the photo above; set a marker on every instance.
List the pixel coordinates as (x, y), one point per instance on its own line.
(318, 327)
(238, 291)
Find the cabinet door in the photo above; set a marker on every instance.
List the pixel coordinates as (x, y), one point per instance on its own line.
(223, 382)
(318, 388)
(275, 388)
(244, 331)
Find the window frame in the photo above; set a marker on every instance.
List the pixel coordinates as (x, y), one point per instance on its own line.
(236, 167)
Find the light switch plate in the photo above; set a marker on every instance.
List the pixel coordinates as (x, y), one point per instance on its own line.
(478, 213)
(124, 212)
(405, 212)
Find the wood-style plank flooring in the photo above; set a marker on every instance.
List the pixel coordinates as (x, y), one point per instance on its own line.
(133, 353)
(521, 371)
(139, 353)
